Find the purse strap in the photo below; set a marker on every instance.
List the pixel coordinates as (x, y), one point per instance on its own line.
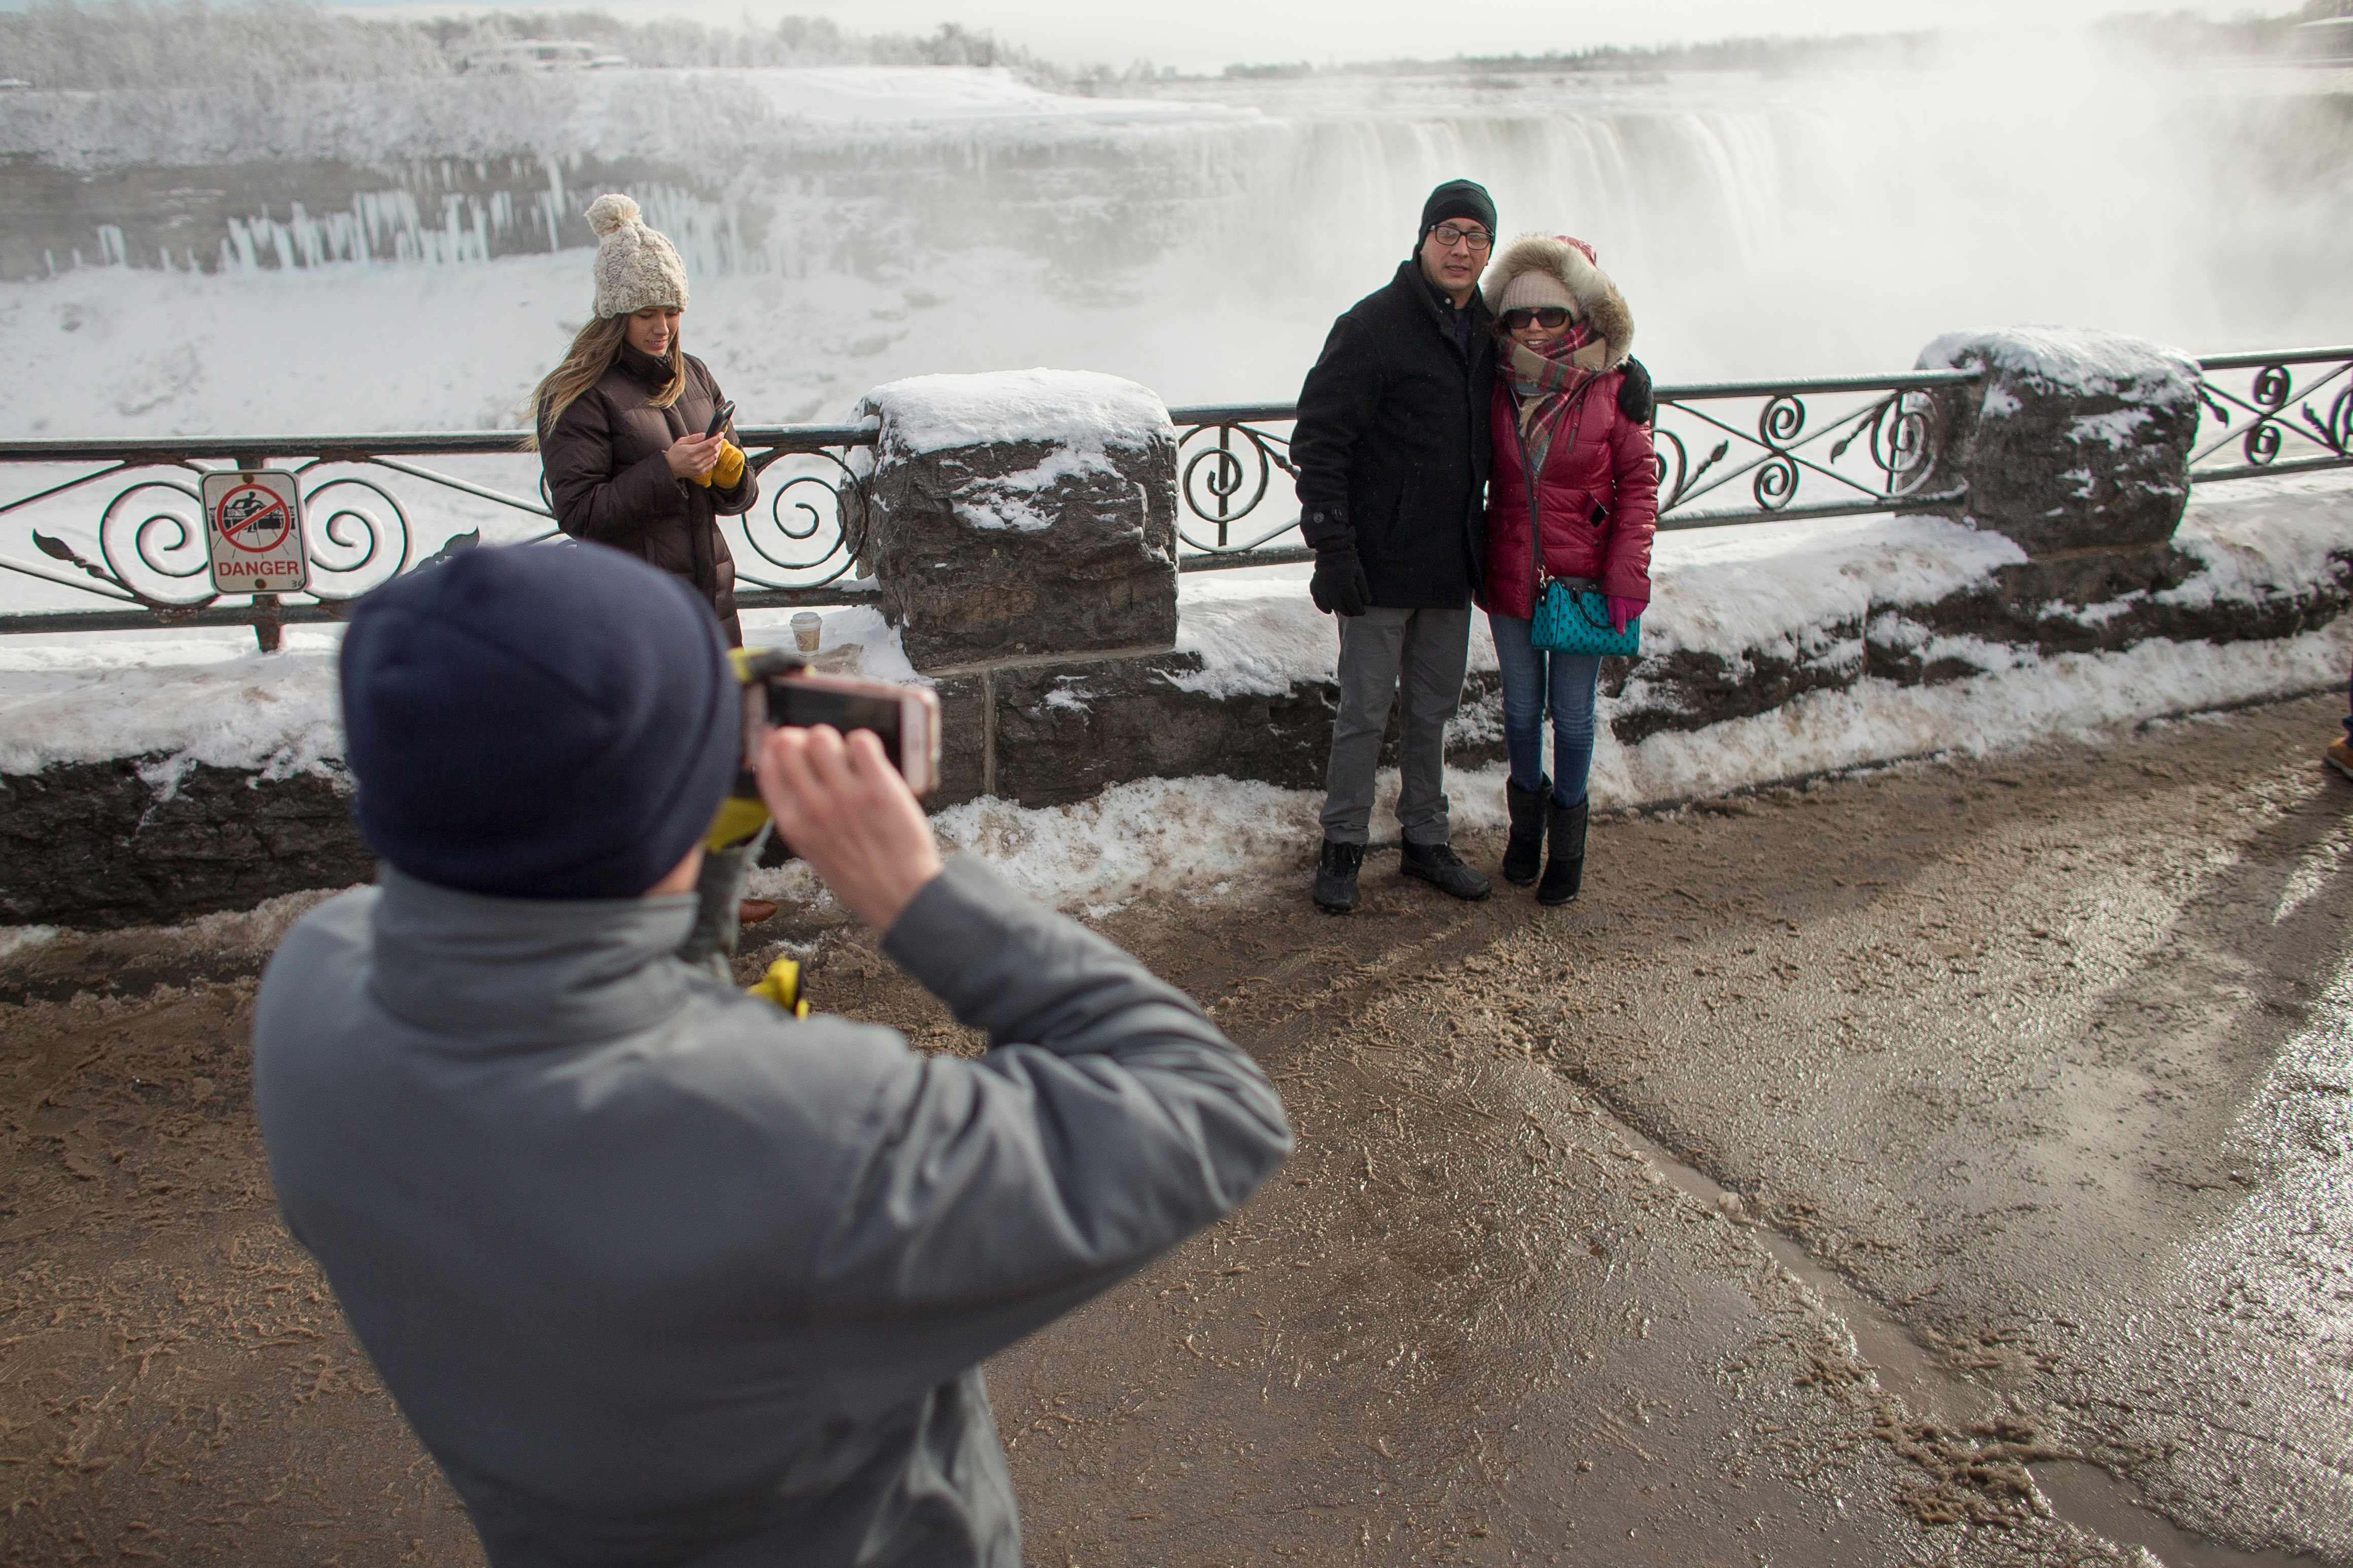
(1536, 578)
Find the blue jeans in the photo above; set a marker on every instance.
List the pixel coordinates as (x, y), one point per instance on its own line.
(1534, 681)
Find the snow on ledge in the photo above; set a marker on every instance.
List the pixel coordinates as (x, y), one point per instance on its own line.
(1083, 411)
(2076, 360)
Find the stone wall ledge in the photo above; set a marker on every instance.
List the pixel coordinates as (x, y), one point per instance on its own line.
(96, 845)
(109, 843)
(2091, 601)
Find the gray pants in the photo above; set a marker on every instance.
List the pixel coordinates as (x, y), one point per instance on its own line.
(1418, 659)
(717, 893)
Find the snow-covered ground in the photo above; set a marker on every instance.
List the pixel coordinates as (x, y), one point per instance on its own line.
(188, 698)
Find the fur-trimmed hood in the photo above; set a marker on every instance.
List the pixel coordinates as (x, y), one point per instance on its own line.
(1597, 299)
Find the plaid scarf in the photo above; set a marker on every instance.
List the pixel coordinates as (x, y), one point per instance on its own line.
(1546, 383)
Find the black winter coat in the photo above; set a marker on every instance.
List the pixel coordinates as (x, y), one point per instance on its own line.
(1392, 444)
(611, 482)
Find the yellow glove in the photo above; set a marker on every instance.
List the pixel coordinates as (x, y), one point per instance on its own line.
(727, 471)
(742, 812)
(782, 985)
(738, 819)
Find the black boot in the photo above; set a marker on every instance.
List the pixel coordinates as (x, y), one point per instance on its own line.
(1524, 849)
(1565, 872)
(1336, 876)
(1438, 865)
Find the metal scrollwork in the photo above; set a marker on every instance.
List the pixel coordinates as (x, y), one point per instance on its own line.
(809, 507)
(2276, 422)
(1782, 418)
(1676, 476)
(1777, 482)
(2336, 431)
(364, 499)
(2262, 445)
(349, 546)
(1222, 484)
(166, 546)
(1903, 434)
(1796, 462)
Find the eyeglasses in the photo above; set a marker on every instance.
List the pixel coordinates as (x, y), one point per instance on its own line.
(1548, 317)
(1449, 237)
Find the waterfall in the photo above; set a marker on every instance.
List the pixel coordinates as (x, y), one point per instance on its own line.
(1757, 228)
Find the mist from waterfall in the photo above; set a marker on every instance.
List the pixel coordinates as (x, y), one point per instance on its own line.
(416, 260)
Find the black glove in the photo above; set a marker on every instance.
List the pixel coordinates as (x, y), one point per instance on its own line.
(1338, 586)
(1634, 400)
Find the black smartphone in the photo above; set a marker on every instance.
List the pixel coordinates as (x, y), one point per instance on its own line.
(719, 418)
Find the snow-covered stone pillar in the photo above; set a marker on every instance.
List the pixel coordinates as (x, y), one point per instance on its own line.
(2075, 439)
(1023, 514)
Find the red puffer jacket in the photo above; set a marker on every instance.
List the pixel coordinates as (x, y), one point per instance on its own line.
(1599, 496)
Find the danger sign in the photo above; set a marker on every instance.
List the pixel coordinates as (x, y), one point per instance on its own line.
(253, 520)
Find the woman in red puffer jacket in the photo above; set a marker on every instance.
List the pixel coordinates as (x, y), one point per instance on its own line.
(1573, 461)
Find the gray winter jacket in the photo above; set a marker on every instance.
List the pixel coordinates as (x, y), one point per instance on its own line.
(662, 1276)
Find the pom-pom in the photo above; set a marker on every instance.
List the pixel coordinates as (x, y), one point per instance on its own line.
(606, 214)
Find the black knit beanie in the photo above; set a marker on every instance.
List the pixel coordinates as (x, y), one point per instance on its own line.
(1456, 198)
(538, 722)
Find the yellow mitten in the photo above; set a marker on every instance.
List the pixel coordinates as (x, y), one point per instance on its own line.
(782, 985)
(738, 819)
(743, 813)
(726, 472)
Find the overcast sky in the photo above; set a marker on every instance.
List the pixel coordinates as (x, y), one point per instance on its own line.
(1208, 35)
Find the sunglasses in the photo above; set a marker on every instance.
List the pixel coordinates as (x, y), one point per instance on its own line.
(1546, 316)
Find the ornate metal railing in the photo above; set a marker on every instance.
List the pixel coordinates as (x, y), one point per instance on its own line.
(1228, 462)
(2275, 412)
(1790, 449)
(1728, 453)
(146, 557)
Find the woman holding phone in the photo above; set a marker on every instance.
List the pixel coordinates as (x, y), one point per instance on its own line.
(632, 431)
(1575, 482)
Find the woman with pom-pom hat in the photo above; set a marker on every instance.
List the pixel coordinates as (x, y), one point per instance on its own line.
(619, 423)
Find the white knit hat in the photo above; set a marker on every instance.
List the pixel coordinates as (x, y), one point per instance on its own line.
(1532, 288)
(637, 266)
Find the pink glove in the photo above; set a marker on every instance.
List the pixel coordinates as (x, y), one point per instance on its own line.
(1623, 610)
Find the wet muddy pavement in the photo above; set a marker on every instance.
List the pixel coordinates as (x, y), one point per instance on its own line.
(1944, 1164)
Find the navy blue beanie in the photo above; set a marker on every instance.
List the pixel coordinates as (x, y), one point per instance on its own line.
(538, 722)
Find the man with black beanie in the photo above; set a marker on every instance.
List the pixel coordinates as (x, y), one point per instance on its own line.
(659, 1271)
(1392, 451)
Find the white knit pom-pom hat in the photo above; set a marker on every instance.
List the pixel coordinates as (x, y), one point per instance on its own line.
(637, 266)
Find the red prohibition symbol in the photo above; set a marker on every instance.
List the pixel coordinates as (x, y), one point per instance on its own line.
(254, 519)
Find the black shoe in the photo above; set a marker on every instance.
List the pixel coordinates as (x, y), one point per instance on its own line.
(1523, 852)
(1440, 866)
(1565, 872)
(1336, 876)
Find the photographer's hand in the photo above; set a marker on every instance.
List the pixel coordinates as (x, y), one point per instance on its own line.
(844, 809)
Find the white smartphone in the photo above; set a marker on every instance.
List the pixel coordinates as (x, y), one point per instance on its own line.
(906, 719)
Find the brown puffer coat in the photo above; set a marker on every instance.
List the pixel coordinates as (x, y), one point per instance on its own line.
(611, 483)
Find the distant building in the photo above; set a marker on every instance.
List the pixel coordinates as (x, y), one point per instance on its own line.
(544, 55)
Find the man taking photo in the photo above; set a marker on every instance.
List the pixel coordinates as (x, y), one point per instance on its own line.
(1392, 452)
(660, 1273)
